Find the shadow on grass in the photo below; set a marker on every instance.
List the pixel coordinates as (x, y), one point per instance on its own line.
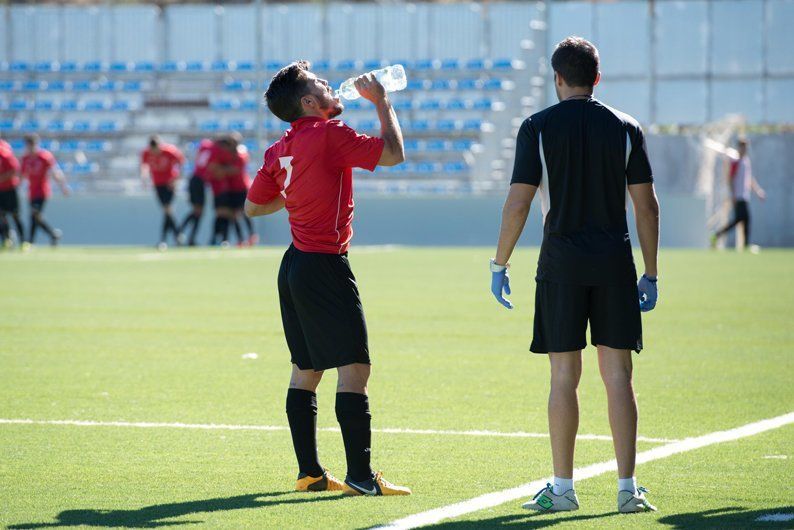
(729, 517)
(529, 520)
(152, 516)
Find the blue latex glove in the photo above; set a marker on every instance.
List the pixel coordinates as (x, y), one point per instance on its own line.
(501, 281)
(648, 292)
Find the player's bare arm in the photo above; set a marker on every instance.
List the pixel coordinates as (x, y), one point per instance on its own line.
(646, 212)
(253, 209)
(514, 217)
(758, 190)
(393, 149)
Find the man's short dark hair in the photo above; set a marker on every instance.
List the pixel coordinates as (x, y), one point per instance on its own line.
(286, 89)
(32, 139)
(154, 141)
(576, 61)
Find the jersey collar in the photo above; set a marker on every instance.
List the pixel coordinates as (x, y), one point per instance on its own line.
(305, 121)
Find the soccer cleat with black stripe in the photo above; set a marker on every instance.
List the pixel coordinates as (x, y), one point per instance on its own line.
(374, 486)
(546, 501)
(326, 482)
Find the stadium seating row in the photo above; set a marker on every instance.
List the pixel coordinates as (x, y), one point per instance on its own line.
(425, 167)
(70, 105)
(245, 85)
(243, 66)
(66, 146)
(484, 103)
(60, 126)
(7, 85)
(213, 126)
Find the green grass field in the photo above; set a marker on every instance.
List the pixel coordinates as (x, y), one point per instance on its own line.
(130, 335)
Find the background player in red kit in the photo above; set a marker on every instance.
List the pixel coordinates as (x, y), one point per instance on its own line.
(164, 164)
(309, 171)
(196, 190)
(239, 182)
(9, 201)
(37, 166)
(221, 166)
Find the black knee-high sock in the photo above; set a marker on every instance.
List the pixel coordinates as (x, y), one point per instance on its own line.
(3, 227)
(20, 227)
(216, 226)
(224, 229)
(172, 224)
(249, 225)
(166, 227)
(302, 416)
(44, 226)
(194, 229)
(237, 230)
(190, 218)
(352, 412)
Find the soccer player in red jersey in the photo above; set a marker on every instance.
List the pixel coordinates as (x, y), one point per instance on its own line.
(239, 181)
(9, 201)
(164, 163)
(309, 172)
(220, 168)
(37, 166)
(196, 190)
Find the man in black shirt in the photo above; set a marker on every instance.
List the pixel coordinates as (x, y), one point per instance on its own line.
(581, 156)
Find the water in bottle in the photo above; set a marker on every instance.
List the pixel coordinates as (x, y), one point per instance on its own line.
(392, 78)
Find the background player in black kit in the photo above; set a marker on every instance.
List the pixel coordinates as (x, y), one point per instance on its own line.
(581, 155)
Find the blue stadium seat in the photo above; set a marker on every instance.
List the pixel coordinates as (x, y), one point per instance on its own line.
(503, 64)
(430, 104)
(411, 145)
(454, 167)
(33, 85)
(6, 86)
(475, 64)
(348, 64)
(240, 125)
(68, 104)
(441, 84)
(19, 66)
(274, 65)
(56, 126)
(107, 126)
(46, 66)
(68, 67)
(461, 145)
(321, 66)
(143, 66)
(424, 64)
(244, 66)
(92, 66)
(222, 66)
(30, 126)
(19, 104)
(492, 84)
(224, 104)
(83, 86)
(425, 167)
(415, 84)
(483, 104)
(401, 104)
(6, 125)
(97, 146)
(56, 86)
(238, 85)
(450, 64)
(81, 126)
(120, 66)
(171, 66)
(132, 86)
(446, 125)
(435, 145)
(94, 104)
(249, 104)
(456, 104)
(419, 125)
(469, 84)
(44, 104)
(197, 66)
(373, 64)
(367, 125)
(210, 126)
(120, 105)
(69, 146)
(472, 125)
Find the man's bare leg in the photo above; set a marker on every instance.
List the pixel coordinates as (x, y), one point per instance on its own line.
(616, 372)
(566, 370)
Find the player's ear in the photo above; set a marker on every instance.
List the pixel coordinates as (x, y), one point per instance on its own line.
(558, 80)
(309, 102)
(597, 79)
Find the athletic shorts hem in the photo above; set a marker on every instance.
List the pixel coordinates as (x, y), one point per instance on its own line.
(330, 367)
(541, 349)
(637, 348)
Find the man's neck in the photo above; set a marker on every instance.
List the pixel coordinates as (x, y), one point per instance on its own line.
(576, 93)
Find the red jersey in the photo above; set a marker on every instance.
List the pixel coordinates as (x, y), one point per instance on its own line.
(163, 165)
(222, 156)
(203, 159)
(8, 162)
(311, 166)
(239, 180)
(36, 168)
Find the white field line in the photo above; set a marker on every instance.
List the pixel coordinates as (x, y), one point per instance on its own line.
(500, 497)
(225, 427)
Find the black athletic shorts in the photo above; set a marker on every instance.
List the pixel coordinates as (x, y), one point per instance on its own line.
(222, 200)
(196, 190)
(37, 205)
(9, 202)
(563, 310)
(165, 194)
(321, 311)
(237, 199)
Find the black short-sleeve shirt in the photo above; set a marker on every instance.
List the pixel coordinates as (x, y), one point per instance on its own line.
(582, 154)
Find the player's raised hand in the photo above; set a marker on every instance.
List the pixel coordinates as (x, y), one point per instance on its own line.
(648, 292)
(500, 282)
(370, 88)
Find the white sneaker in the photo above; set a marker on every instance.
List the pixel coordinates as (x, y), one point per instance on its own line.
(546, 501)
(629, 502)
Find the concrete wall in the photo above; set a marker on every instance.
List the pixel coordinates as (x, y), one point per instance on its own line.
(379, 220)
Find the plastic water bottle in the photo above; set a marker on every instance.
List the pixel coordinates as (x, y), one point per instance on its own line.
(392, 78)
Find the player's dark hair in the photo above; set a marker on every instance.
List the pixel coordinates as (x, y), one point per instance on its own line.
(32, 139)
(286, 89)
(154, 141)
(576, 61)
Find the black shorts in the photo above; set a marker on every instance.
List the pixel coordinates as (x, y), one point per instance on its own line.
(321, 311)
(237, 199)
(9, 201)
(196, 190)
(165, 194)
(37, 205)
(563, 310)
(222, 200)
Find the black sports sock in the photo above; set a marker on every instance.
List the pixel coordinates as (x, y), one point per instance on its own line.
(224, 229)
(189, 219)
(194, 229)
(45, 226)
(3, 227)
(352, 413)
(249, 225)
(238, 231)
(166, 227)
(216, 224)
(20, 227)
(172, 224)
(33, 226)
(302, 416)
